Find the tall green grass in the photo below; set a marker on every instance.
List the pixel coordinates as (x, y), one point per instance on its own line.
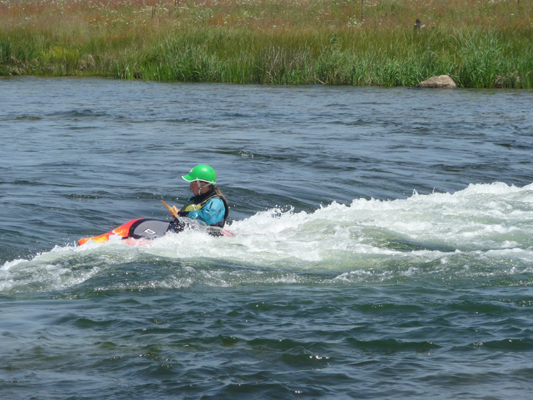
(479, 44)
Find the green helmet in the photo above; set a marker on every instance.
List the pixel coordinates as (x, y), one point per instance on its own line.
(201, 172)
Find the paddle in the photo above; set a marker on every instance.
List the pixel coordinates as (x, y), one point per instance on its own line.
(171, 209)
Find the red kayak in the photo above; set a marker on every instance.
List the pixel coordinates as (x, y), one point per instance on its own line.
(141, 231)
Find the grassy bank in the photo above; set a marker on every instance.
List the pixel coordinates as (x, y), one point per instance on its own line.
(483, 43)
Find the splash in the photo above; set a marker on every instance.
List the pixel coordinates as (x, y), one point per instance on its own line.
(482, 232)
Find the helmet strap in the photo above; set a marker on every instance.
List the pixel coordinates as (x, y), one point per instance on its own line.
(200, 187)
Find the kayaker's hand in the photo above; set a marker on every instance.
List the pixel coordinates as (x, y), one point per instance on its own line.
(176, 209)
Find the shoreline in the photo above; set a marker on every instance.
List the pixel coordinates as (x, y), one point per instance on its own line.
(271, 42)
(81, 77)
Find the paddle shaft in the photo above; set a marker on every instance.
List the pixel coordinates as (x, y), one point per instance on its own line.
(171, 209)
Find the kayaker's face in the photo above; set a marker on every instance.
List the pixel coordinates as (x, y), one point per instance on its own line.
(196, 189)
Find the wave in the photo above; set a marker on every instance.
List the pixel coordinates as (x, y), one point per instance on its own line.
(80, 113)
(480, 235)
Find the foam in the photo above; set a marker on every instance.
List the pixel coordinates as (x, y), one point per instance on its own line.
(484, 223)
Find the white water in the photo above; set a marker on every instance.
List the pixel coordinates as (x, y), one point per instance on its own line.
(487, 229)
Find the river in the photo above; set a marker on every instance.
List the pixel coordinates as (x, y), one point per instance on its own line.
(383, 243)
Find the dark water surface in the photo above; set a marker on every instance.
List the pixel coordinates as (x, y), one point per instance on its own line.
(383, 242)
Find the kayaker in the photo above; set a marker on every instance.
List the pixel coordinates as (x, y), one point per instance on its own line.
(208, 203)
